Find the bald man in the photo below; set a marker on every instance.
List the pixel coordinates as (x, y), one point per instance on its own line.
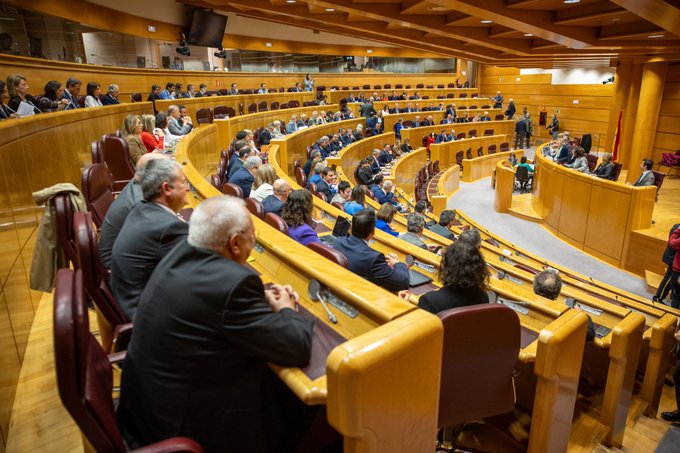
(121, 206)
(274, 202)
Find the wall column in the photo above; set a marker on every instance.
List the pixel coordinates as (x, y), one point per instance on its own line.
(624, 77)
(647, 117)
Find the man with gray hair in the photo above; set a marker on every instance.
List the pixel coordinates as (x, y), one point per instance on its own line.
(217, 318)
(292, 124)
(150, 231)
(472, 237)
(121, 207)
(415, 224)
(178, 125)
(111, 96)
(244, 177)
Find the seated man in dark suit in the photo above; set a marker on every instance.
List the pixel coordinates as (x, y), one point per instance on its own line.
(446, 220)
(386, 155)
(314, 158)
(365, 174)
(372, 123)
(245, 176)
(327, 184)
(385, 271)
(150, 231)
(375, 161)
(548, 284)
(274, 202)
(266, 134)
(202, 309)
(121, 207)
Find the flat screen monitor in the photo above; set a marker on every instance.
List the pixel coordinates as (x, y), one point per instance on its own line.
(207, 29)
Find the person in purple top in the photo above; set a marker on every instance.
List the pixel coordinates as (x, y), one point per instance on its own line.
(297, 213)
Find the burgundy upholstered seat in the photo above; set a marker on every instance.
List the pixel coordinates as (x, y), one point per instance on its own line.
(98, 191)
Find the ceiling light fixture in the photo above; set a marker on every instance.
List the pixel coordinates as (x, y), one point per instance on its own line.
(528, 34)
(369, 51)
(568, 2)
(655, 36)
(487, 21)
(291, 1)
(330, 10)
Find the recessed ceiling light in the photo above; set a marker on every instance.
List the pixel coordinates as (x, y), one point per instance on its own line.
(291, 1)
(369, 51)
(528, 34)
(487, 21)
(655, 36)
(571, 1)
(330, 10)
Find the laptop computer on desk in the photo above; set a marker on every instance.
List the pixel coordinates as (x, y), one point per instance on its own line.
(340, 229)
(415, 278)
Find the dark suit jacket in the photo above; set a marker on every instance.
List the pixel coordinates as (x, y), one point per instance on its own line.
(273, 205)
(442, 231)
(383, 197)
(448, 297)
(109, 100)
(115, 218)
(384, 158)
(365, 176)
(243, 179)
(375, 165)
(323, 187)
(197, 365)
(265, 137)
(371, 265)
(148, 234)
(605, 171)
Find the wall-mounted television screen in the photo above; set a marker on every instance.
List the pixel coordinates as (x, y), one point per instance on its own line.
(207, 29)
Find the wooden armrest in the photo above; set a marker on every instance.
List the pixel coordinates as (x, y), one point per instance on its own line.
(117, 357)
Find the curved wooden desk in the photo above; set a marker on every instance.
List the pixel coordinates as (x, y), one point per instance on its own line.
(335, 96)
(416, 134)
(590, 213)
(479, 166)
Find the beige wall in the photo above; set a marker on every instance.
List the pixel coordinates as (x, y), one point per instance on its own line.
(535, 91)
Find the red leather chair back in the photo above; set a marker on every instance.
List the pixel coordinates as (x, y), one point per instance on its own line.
(96, 151)
(277, 222)
(136, 97)
(63, 210)
(98, 191)
(95, 277)
(84, 374)
(472, 133)
(204, 116)
(617, 170)
(232, 189)
(459, 157)
(274, 105)
(468, 154)
(499, 117)
(262, 106)
(255, 208)
(478, 364)
(116, 156)
(492, 149)
(215, 181)
(338, 205)
(658, 179)
(505, 146)
(329, 252)
(252, 107)
(460, 136)
(300, 177)
(488, 132)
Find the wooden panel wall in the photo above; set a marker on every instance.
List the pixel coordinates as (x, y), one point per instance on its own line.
(668, 129)
(35, 153)
(535, 91)
(133, 80)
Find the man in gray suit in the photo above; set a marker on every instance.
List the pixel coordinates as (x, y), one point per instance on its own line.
(121, 207)
(176, 124)
(442, 228)
(647, 177)
(150, 231)
(415, 224)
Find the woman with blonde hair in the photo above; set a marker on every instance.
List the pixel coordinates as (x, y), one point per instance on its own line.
(132, 128)
(151, 141)
(17, 88)
(264, 183)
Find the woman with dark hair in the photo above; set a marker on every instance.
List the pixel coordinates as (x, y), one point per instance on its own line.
(51, 101)
(384, 217)
(580, 162)
(17, 86)
(430, 140)
(406, 146)
(464, 274)
(309, 83)
(4, 111)
(93, 92)
(297, 213)
(357, 200)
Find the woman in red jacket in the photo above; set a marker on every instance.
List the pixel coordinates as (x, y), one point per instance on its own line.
(151, 142)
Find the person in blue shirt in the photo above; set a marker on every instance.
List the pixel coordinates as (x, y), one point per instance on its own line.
(384, 217)
(372, 123)
(382, 191)
(397, 128)
(309, 83)
(168, 92)
(357, 200)
(498, 101)
(316, 177)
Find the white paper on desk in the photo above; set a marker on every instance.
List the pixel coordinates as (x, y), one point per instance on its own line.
(25, 109)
